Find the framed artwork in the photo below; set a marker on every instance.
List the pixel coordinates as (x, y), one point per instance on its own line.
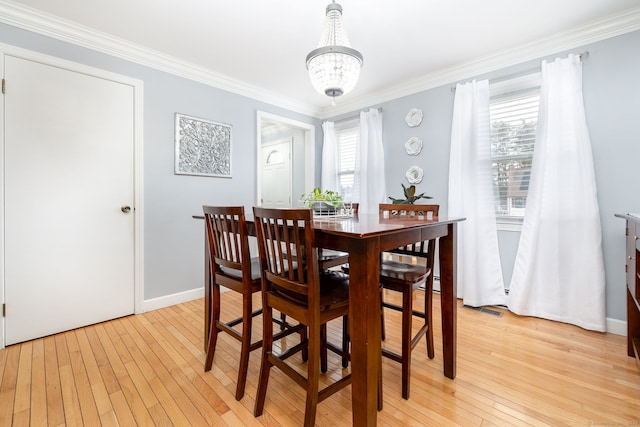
(203, 147)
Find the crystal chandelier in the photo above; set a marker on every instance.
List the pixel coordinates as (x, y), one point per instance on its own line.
(334, 67)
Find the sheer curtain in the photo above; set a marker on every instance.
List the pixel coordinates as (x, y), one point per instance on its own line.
(329, 172)
(559, 267)
(471, 196)
(369, 184)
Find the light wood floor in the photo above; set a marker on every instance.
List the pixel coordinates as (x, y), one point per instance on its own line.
(147, 370)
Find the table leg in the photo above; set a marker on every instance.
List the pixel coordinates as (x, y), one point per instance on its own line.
(448, 298)
(364, 320)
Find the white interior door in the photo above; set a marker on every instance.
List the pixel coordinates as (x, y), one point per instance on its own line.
(276, 174)
(69, 169)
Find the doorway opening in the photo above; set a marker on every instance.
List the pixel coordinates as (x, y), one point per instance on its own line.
(271, 128)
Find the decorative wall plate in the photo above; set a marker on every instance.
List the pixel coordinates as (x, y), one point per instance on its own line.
(414, 174)
(413, 146)
(414, 117)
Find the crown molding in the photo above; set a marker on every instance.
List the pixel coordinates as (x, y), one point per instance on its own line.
(601, 29)
(36, 21)
(33, 20)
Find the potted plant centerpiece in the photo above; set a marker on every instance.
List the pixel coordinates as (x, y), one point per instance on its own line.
(322, 202)
(410, 196)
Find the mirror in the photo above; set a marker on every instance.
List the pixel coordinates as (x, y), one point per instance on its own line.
(282, 182)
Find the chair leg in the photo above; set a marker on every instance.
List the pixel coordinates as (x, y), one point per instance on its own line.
(302, 333)
(380, 382)
(380, 400)
(243, 366)
(265, 364)
(313, 376)
(213, 326)
(407, 317)
(428, 312)
(323, 348)
(304, 337)
(382, 333)
(345, 341)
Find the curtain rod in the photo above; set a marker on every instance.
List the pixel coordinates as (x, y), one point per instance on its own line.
(582, 56)
(353, 117)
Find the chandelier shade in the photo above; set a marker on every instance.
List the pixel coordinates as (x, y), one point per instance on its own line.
(334, 67)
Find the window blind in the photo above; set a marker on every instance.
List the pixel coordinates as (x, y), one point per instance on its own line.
(514, 119)
(347, 137)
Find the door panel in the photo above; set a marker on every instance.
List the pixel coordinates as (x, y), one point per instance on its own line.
(276, 174)
(69, 156)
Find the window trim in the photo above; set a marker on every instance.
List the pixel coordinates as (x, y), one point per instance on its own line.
(509, 223)
(514, 85)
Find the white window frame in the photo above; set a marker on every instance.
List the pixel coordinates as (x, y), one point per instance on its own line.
(500, 89)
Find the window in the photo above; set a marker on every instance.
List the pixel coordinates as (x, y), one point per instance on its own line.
(346, 138)
(513, 115)
(275, 158)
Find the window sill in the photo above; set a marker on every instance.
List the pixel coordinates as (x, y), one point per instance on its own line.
(509, 224)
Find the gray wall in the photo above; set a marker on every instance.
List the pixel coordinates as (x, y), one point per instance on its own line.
(173, 241)
(611, 88)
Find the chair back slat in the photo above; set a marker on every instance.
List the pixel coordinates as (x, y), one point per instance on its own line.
(287, 251)
(228, 237)
(426, 212)
(408, 210)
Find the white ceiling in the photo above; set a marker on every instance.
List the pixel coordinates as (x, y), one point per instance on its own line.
(258, 47)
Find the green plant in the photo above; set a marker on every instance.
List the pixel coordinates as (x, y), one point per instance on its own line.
(410, 196)
(331, 198)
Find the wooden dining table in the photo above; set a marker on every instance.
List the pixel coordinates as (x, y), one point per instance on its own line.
(364, 237)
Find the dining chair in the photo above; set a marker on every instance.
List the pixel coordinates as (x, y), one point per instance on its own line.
(298, 288)
(329, 258)
(406, 276)
(232, 266)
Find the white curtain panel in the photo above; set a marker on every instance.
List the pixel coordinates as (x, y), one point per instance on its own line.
(329, 172)
(369, 179)
(559, 267)
(471, 196)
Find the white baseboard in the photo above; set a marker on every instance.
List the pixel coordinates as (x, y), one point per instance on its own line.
(168, 300)
(615, 326)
